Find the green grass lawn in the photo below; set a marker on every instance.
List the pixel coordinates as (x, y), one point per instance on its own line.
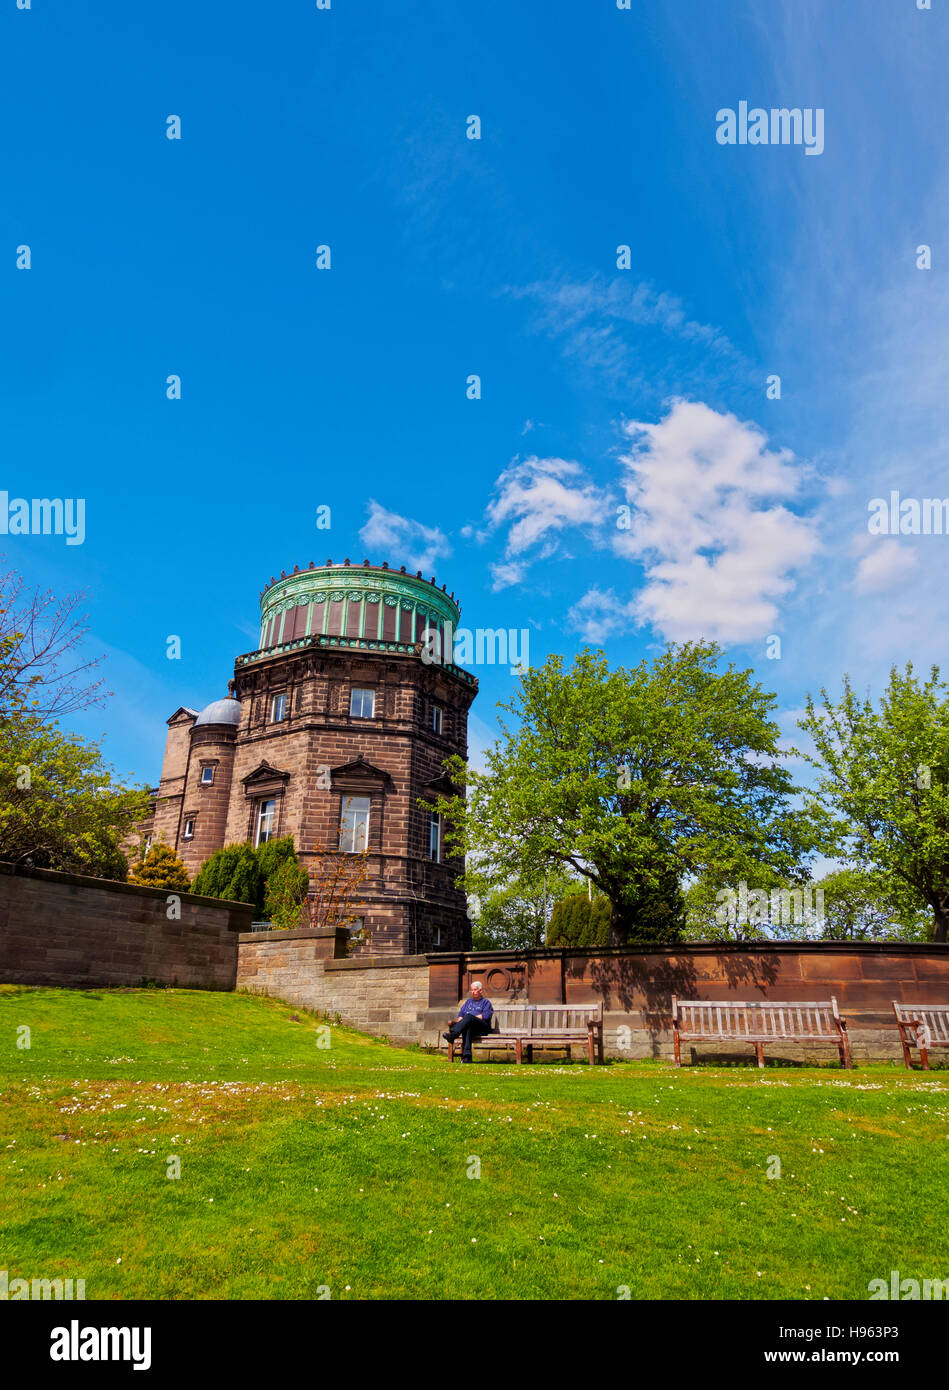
(348, 1166)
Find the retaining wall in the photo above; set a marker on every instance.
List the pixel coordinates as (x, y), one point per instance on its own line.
(69, 930)
(410, 998)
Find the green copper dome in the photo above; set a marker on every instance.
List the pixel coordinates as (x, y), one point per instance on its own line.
(364, 605)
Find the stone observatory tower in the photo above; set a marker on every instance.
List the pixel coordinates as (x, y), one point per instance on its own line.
(331, 731)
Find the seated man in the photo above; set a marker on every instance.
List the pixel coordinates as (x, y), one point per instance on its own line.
(473, 1021)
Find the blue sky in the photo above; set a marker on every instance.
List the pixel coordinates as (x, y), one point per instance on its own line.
(601, 387)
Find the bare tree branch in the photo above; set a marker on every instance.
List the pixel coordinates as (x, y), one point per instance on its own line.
(42, 670)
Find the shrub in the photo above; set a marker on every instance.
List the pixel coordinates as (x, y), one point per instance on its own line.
(160, 868)
(241, 872)
(285, 899)
(577, 922)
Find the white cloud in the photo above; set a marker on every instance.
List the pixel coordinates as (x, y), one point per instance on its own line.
(885, 567)
(398, 538)
(506, 573)
(717, 545)
(537, 499)
(599, 614)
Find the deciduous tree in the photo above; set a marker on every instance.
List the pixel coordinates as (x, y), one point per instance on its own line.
(885, 776)
(336, 880)
(43, 672)
(61, 806)
(285, 898)
(635, 779)
(514, 916)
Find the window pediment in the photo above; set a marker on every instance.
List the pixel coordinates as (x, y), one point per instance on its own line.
(359, 775)
(263, 779)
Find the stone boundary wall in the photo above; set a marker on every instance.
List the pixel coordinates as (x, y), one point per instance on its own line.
(68, 930)
(636, 985)
(409, 999)
(385, 995)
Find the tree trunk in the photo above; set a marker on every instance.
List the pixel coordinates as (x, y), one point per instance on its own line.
(941, 920)
(621, 923)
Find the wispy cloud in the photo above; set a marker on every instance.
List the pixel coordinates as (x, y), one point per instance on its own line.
(591, 320)
(599, 614)
(401, 539)
(885, 566)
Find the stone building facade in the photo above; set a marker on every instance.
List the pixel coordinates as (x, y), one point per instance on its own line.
(331, 731)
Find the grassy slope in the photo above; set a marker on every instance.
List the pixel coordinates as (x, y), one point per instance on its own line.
(304, 1167)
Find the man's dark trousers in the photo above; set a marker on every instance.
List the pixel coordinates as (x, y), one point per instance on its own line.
(469, 1027)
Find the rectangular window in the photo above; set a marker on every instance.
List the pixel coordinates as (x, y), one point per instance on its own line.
(354, 824)
(435, 837)
(266, 815)
(278, 709)
(437, 718)
(207, 776)
(362, 704)
(188, 833)
(438, 936)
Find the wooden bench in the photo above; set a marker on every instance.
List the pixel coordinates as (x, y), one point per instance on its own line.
(923, 1026)
(542, 1025)
(760, 1022)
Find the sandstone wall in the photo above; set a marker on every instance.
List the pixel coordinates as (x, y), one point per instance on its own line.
(410, 998)
(69, 930)
(636, 986)
(385, 995)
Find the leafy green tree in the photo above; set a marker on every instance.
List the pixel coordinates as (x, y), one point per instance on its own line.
(514, 916)
(60, 804)
(849, 904)
(776, 911)
(856, 907)
(285, 897)
(885, 777)
(160, 868)
(703, 915)
(635, 779)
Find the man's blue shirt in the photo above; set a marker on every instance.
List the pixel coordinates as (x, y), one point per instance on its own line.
(480, 1006)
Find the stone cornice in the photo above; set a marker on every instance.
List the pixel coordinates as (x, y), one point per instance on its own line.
(349, 646)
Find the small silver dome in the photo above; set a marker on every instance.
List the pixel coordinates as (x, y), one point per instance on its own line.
(225, 711)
